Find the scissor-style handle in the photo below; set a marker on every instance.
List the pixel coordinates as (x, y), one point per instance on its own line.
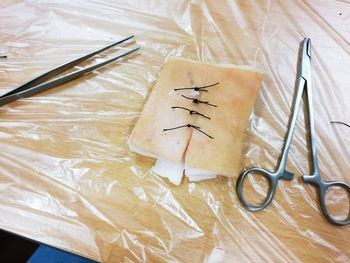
(323, 186)
(272, 179)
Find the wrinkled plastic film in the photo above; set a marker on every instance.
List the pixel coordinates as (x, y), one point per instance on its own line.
(68, 179)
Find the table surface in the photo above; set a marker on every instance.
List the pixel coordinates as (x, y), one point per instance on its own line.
(67, 178)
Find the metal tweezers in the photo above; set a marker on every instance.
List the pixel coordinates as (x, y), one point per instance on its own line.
(39, 83)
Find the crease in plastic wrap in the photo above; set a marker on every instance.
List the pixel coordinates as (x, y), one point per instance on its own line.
(68, 179)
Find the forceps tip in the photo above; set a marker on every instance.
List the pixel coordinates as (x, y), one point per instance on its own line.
(130, 36)
(307, 43)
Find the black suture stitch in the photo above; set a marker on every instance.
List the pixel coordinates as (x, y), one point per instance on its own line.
(182, 126)
(191, 111)
(199, 129)
(189, 126)
(202, 88)
(197, 101)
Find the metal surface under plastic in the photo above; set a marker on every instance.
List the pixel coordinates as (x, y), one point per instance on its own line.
(68, 179)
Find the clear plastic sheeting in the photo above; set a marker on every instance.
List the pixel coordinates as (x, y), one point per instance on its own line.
(68, 179)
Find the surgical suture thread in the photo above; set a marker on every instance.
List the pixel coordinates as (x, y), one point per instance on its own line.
(340, 122)
(194, 112)
(191, 112)
(189, 126)
(197, 101)
(202, 88)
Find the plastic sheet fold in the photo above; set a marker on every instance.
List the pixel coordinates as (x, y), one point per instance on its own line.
(68, 179)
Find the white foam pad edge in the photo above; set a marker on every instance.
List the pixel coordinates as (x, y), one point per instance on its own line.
(138, 150)
(172, 171)
(196, 175)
